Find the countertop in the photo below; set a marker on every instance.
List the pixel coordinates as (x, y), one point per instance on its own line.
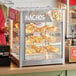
(17, 70)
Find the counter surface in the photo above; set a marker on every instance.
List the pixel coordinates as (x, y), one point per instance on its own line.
(16, 70)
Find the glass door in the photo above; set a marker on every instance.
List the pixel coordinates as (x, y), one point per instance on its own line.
(44, 39)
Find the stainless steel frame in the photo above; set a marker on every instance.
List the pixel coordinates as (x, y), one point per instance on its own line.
(63, 38)
(22, 40)
(67, 17)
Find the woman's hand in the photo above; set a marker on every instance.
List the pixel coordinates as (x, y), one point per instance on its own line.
(5, 29)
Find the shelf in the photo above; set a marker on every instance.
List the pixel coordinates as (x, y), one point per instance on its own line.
(15, 55)
(57, 43)
(40, 44)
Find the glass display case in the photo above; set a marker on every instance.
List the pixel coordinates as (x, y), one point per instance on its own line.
(37, 36)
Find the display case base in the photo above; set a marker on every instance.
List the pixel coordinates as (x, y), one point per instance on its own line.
(36, 62)
(42, 62)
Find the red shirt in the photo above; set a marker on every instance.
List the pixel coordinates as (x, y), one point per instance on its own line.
(2, 22)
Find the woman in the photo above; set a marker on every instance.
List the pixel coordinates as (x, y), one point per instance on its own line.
(3, 29)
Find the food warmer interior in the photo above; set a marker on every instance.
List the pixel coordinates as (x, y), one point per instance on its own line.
(37, 36)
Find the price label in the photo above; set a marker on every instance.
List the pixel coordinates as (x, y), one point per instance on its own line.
(72, 53)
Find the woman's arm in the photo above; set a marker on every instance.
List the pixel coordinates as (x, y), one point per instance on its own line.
(2, 20)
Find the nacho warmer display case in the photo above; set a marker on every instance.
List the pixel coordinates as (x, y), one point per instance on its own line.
(37, 36)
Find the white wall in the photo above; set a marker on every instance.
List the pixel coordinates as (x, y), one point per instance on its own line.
(30, 3)
(35, 3)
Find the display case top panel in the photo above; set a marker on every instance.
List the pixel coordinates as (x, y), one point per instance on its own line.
(42, 15)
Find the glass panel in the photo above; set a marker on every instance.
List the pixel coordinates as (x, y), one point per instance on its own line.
(43, 40)
(15, 35)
